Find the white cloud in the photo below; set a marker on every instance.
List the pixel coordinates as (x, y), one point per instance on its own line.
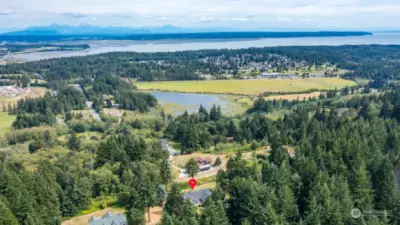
(284, 19)
(5, 13)
(207, 18)
(235, 19)
(224, 13)
(74, 15)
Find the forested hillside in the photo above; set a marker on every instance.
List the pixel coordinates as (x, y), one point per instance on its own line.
(367, 61)
(340, 163)
(320, 158)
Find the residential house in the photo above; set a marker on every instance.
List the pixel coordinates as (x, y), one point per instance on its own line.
(109, 219)
(197, 197)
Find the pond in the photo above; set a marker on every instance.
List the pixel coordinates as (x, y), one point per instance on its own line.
(176, 103)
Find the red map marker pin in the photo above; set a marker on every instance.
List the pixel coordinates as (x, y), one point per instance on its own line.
(192, 183)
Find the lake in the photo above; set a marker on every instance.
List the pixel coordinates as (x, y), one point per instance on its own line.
(176, 103)
(97, 47)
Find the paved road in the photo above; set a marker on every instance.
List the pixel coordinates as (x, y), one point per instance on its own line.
(95, 115)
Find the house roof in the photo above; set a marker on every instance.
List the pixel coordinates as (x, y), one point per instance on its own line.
(204, 166)
(109, 219)
(197, 197)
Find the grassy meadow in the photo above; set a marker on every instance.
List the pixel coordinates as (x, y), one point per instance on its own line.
(5, 122)
(246, 87)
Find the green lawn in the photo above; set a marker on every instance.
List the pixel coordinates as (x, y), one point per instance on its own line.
(200, 182)
(5, 122)
(246, 87)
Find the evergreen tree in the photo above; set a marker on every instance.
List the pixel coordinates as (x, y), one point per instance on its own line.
(166, 219)
(165, 172)
(135, 216)
(175, 203)
(217, 161)
(288, 207)
(213, 213)
(192, 168)
(6, 216)
(232, 130)
(362, 192)
(74, 142)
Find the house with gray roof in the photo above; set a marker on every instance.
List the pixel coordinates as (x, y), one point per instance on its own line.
(109, 219)
(197, 197)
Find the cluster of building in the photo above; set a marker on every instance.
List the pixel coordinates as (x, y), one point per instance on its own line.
(195, 197)
(12, 91)
(204, 164)
(277, 76)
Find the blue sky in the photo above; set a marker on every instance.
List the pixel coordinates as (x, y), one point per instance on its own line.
(240, 14)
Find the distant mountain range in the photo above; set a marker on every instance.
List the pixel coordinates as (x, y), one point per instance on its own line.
(56, 29)
(57, 32)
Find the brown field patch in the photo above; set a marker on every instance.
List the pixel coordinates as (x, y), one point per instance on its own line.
(35, 92)
(113, 112)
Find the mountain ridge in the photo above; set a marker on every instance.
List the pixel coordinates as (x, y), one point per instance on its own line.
(86, 29)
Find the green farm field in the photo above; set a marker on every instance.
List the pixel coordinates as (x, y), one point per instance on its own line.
(246, 87)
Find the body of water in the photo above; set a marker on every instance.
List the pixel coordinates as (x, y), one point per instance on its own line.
(97, 47)
(176, 103)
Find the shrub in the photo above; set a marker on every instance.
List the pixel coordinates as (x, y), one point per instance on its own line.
(254, 145)
(262, 156)
(123, 199)
(217, 162)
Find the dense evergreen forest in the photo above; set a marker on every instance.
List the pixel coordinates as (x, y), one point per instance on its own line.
(326, 156)
(340, 162)
(363, 61)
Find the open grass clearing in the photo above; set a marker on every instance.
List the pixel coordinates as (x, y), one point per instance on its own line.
(247, 87)
(5, 122)
(202, 183)
(39, 81)
(86, 115)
